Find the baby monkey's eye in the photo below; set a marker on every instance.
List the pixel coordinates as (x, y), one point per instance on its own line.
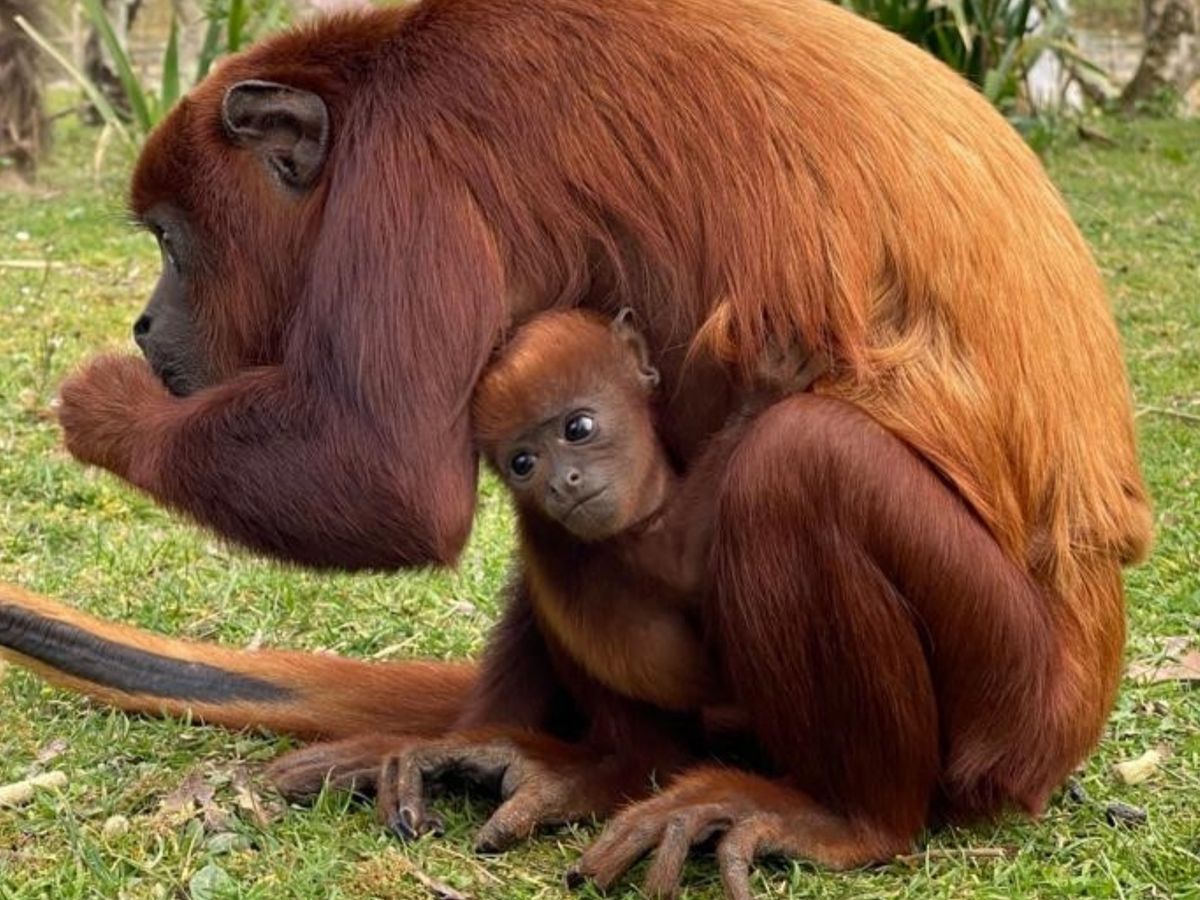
(522, 463)
(579, 428)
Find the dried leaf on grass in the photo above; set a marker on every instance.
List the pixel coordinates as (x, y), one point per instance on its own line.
(51, 751)
(195, 796)
(247, 799)
(193, 793)
(1177, 661)
(21, 792)
(1141, 768)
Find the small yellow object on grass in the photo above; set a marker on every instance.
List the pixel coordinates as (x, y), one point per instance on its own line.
(1137, 770)
(114, 827)
(21, 792)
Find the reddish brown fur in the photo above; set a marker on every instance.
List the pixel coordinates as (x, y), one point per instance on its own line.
(745, 175)
(624, 608)
(551, 360)
(334, 697)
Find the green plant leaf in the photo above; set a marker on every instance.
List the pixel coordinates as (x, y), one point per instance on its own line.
(170, 77)
(965, 30)
(98, 99)
(210, 49)
(239, 14)
(138, 101)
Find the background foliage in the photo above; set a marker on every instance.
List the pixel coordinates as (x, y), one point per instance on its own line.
(992, 43)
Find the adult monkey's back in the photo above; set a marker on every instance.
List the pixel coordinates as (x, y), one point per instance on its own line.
(354, 215)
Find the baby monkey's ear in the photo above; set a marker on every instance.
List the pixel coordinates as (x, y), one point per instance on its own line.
(632, 339)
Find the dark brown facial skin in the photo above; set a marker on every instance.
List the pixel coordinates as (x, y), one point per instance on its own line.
(166, 331)
(596, 468)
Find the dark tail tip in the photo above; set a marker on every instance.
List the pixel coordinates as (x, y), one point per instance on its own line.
(78, 653)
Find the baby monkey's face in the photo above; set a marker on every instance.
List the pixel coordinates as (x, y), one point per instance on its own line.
(592, 467)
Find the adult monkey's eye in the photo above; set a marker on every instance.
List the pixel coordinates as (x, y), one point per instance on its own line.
(579, 427)
(522, 463)
(170, 250)
(165, 244)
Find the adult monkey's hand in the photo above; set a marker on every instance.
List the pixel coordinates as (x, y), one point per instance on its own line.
(104, 407)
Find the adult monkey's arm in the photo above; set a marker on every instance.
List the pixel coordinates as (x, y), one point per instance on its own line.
(296, 477)
(354, 451)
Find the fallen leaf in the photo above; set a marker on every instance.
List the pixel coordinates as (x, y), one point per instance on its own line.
(51, 751)
(1139, 769)
(195, 795)
(21, 792)
(246, 798)
(1178, 661)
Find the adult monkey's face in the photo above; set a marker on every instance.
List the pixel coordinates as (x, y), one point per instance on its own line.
(219, 303)
(166, 331)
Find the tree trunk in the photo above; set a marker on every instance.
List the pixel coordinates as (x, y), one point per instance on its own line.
(23, 128)
(1171, 61)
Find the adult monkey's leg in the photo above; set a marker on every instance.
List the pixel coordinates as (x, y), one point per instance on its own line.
(886, 652)
(555, 745)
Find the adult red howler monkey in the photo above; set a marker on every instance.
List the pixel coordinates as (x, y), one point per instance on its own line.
(353, 216)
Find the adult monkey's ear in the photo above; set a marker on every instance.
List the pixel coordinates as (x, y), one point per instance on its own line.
(622, 327)
(288, 128)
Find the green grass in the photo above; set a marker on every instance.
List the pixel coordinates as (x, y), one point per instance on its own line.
(80, 536)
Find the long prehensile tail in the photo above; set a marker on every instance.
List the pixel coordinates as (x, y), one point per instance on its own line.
(303, 694)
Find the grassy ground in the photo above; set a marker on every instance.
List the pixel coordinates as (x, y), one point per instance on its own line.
(81, 536)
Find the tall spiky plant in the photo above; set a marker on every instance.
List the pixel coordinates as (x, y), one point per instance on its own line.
(23, 128)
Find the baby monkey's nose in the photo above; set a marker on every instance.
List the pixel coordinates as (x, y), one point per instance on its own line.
(566, 481)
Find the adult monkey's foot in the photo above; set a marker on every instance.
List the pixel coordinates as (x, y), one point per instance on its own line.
(540, 781)
(750, 816)
(353, 764)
